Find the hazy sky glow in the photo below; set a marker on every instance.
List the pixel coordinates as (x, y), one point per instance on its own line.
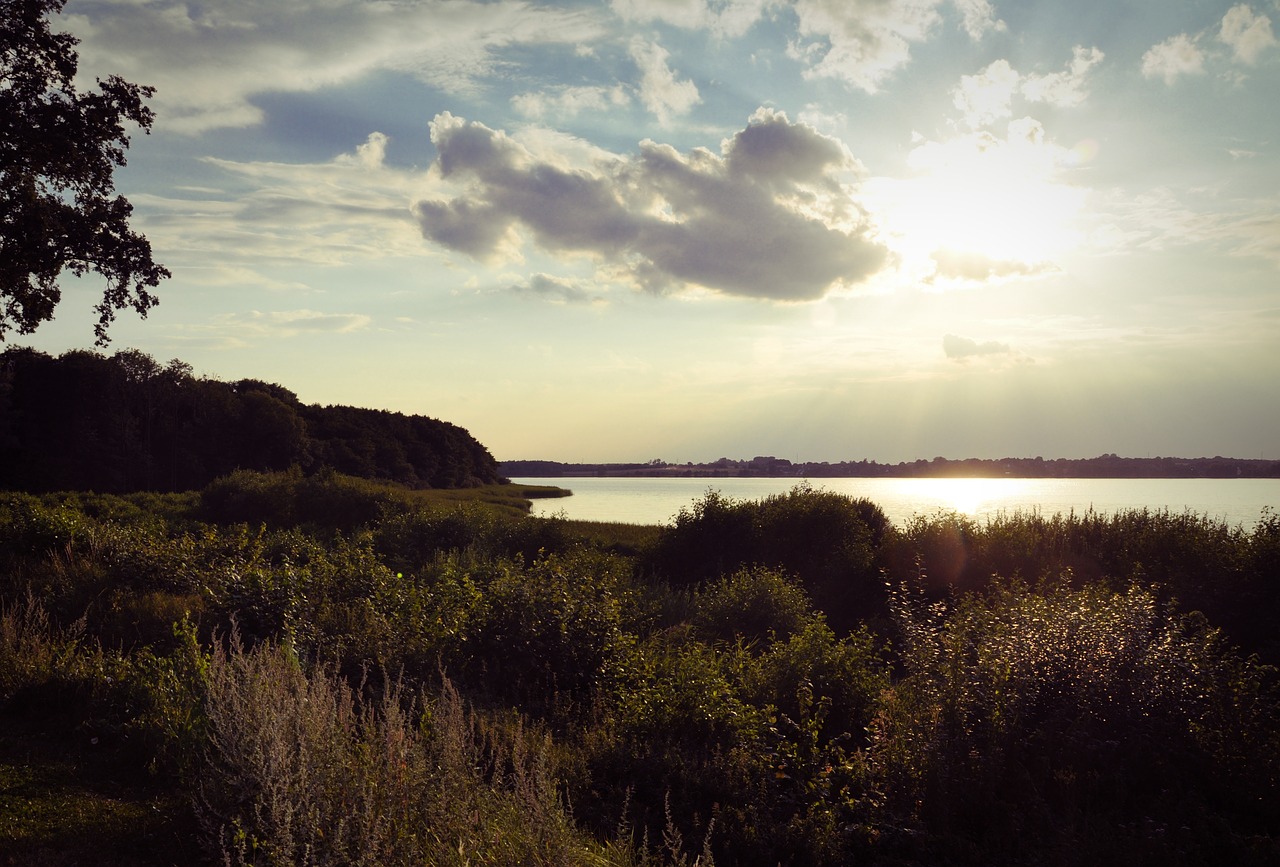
(822, 230)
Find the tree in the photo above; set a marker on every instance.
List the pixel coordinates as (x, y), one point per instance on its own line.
(58, 150)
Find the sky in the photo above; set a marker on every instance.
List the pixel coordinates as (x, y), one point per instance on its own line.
(687, 229)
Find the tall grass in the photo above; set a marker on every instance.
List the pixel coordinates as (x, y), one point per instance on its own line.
(307, 769)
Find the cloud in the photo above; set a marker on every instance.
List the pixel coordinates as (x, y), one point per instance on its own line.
(977, 267)
(265, 215)
(239, 330)
(1247, 34)
(724, 18)
(979, 18)
(961, 349)
(861, 42)
(986, 96)
(208, 61)
(660, 91)
(546, 287)
(769, 217)
(568, 102)
(1065, 89)
(1176, 56)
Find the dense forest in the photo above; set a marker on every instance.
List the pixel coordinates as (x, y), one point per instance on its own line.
(85, 421)
(284, 668)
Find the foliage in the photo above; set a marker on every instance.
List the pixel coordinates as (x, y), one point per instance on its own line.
(58, 151)
(752, 605)
(1047, 715)
(124, 423)
(828, 541)
(1201, 563)
(352, 670)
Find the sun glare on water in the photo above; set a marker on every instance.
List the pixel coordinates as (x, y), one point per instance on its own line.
(971, 496)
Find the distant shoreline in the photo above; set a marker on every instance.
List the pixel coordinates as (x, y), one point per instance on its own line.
(1103, 467)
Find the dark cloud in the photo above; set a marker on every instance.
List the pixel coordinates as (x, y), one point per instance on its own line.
(772, 150)
(962, 348)
(766, 218)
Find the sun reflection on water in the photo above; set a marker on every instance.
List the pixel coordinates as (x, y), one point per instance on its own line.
(971, 496)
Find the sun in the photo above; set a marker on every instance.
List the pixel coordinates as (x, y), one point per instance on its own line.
(984, 198)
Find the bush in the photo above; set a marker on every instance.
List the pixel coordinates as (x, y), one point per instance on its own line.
(1032, 720)
(827, 540)
(751, 604)
(548, 634)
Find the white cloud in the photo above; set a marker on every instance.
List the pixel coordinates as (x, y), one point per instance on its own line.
(568, 102)
(660, 91)
(979, 18)
(352, 208)
(723, 17)
(768, 217)
(862, 42)
(986, 96)
(1176, 56)
(1067, 88)
(1247, 34)
(979, 268)
(208, 61)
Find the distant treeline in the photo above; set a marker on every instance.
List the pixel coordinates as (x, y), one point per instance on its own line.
(86, 421)
(1102, 467)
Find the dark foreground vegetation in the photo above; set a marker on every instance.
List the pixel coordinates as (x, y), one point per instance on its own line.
(122, 423)
(283, 669)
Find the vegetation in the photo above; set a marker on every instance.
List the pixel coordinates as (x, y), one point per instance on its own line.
(285, 668)
(124, 423)
(58, 151)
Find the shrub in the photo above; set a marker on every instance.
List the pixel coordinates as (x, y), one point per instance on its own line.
(827, 540)
(1031, 720)
(751, 604)
(548, 633)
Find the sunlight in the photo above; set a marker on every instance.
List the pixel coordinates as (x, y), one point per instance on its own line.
(969, 496)
(989, 199)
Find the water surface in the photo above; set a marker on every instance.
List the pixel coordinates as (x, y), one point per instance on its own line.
(657, 501)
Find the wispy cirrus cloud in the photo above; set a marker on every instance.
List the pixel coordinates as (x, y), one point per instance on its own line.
(209, 61)
(254, 327)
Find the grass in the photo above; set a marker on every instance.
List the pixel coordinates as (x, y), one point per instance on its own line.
(80, 805)
(510, 499)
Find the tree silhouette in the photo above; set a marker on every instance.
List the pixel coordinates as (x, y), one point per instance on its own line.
(58, 150)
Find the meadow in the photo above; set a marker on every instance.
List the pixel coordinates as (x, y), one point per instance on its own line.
(292, 669)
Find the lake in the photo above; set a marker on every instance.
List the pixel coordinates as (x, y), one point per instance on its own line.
(656, 501)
